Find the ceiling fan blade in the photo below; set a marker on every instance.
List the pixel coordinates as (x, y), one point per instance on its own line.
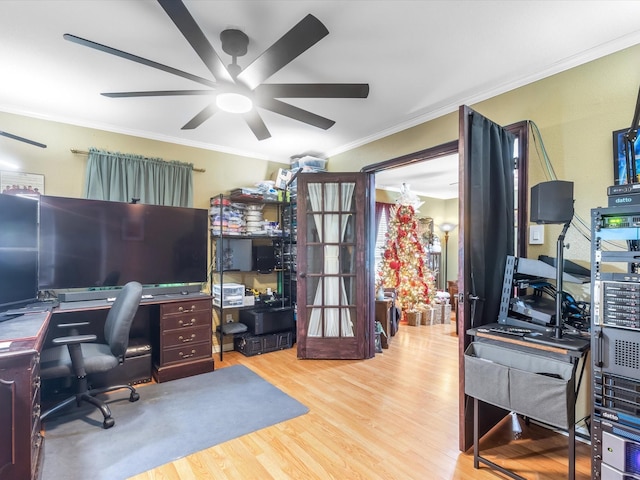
(276, 106)
(194, 35)
(201, 117)
(256, 124)
(301, 37)
(157, 93)
(22, 139)
(313, 90)
(137, 59)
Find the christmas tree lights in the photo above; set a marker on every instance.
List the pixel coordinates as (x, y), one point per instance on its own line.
(403, 261)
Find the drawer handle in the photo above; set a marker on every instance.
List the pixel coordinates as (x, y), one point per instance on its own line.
(191, 323)
(191, 309)
(187, 355)
(188, 339)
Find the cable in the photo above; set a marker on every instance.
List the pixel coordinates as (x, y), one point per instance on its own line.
(577, 222)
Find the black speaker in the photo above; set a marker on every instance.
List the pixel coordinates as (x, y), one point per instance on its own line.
(552, 202)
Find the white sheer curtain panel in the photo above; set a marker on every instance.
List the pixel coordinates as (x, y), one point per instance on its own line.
(331, 292)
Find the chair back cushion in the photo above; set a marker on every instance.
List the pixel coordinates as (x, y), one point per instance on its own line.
(120, 317)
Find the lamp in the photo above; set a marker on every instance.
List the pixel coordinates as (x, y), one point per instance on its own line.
(234, 102)
(446, 228)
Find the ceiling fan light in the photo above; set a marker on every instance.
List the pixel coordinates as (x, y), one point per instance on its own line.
(234, 102)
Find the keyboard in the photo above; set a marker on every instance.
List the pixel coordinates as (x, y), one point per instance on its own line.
(516, 331)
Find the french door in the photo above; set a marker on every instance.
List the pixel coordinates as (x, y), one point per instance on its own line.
(335, 300)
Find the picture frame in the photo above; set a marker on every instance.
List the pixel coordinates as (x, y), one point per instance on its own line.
(620, 160)
(425, 230)
(20, 183)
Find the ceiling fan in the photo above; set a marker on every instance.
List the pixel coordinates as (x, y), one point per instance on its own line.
(22, 139)
(232, 81)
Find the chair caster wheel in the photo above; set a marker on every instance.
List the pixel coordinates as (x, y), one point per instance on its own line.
(108, 423)
(134, 397)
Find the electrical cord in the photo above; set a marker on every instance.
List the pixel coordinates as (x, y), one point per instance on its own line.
(579, 224)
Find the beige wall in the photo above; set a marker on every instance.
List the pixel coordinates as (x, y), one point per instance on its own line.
(64, 171)
(576, 112)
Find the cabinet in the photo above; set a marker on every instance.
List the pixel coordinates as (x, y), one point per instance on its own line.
(21, 443)
(244, 245)
(383, 315)
(615, 342)
(184, 339)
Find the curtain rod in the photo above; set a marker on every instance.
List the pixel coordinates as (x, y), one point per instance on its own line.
(84, 152)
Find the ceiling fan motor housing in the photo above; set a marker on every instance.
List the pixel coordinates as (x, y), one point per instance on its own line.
(234, 42)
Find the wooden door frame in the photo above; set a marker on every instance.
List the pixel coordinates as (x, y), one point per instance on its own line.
(521, 129)
(362, 345)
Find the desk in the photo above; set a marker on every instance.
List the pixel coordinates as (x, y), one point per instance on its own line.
(536, 379)
(178, 328)
(20, 437)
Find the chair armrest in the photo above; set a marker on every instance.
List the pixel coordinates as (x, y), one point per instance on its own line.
(74, 339)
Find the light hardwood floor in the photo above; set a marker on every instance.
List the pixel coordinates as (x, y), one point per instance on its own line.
(391, 417)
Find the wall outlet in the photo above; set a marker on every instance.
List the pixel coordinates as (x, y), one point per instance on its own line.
(229, 318)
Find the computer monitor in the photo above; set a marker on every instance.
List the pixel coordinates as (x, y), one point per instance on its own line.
(18, 251)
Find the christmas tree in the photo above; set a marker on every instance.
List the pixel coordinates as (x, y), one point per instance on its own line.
(403, 261)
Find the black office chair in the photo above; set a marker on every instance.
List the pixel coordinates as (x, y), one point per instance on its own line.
(80, 355)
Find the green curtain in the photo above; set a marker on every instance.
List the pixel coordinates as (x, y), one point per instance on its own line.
(122, 177)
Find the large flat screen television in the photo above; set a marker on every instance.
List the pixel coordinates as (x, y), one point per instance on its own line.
(18, 251)
(95, 243)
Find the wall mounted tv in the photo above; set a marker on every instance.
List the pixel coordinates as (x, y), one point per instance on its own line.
(95, 243)
(18, 251)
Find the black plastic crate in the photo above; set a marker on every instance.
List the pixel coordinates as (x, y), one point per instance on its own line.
(250, 345)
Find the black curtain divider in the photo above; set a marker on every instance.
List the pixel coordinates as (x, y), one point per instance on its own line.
(491, 214)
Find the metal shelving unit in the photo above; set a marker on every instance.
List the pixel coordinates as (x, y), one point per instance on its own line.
(283, 243)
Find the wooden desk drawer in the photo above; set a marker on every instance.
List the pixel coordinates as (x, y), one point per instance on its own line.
(186, 306)
(186, 320)
(173, 338)
(185, 353)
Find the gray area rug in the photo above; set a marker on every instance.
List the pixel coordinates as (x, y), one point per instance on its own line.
(171, 420)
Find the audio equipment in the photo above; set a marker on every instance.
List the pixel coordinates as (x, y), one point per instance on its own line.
(623, 189)
(624, 199)
(619, 304)
(264, 258)
(552, 202)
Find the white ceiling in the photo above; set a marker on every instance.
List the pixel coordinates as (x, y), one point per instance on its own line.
(421, 59)
(435, 178)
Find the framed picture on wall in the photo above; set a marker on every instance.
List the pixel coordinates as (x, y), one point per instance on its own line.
(20, 183)
(620, 160)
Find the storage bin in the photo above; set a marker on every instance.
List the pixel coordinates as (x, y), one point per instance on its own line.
(308, 163)
(250, 345)
(529, 384)
(228, 295)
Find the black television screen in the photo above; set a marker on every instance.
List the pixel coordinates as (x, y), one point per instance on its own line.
(96, 243)
(18, 251)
